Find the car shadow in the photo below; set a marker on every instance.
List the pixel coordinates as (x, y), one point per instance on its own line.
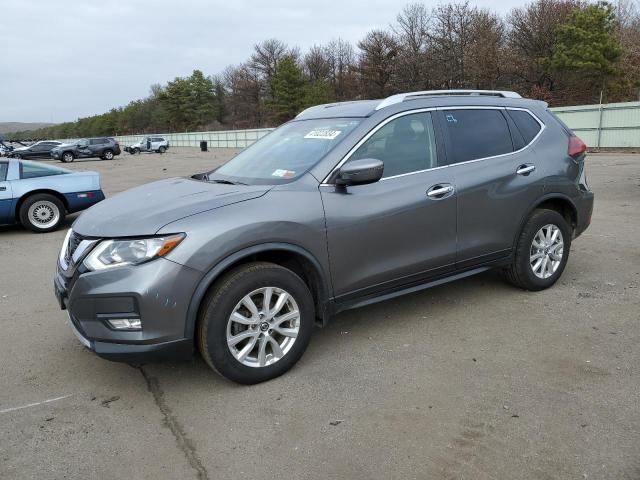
(372, 321)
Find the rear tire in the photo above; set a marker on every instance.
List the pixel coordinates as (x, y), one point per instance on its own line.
(67, 157)
(542, 251)
(107, 155)
(162, 150)
(268, 348)
(42, 213)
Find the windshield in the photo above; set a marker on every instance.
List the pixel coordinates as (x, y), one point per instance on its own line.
(286, 153)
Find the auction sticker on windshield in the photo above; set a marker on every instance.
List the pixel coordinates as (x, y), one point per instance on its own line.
(283, 173)
(323, 134)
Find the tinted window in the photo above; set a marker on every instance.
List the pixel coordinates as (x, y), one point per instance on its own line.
(4, 166)
(96, 141)
(35, 169)
(406, 144)
(527, 125)
(477, 134)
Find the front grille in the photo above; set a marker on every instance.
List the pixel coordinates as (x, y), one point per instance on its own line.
(74, 241)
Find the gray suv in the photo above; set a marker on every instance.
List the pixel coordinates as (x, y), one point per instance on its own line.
(102, 147)
(346, 205)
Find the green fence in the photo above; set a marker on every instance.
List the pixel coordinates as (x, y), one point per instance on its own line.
(218, 139)
(611, 125)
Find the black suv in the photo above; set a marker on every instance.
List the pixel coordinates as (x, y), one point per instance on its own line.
(102, 147)
(37, 150)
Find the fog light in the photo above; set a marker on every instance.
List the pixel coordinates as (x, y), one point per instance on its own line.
(125, 323)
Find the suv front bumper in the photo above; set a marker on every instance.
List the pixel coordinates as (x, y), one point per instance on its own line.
(157, 292)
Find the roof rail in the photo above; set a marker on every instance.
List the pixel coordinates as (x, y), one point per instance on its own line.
(401, 97)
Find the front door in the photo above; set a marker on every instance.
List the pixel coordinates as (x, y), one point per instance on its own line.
(401, 229)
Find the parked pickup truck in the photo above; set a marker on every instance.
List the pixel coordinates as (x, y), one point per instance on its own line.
(149, 144)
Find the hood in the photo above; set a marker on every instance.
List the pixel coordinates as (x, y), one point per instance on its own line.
(20, 149)
(146, 209)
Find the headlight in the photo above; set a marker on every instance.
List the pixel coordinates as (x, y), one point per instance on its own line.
(116, 253)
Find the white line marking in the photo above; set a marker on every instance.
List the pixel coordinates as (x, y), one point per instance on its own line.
(13, 409)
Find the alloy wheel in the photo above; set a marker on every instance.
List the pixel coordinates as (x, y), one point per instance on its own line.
(546, 251)
(43, 214)
(263, 327)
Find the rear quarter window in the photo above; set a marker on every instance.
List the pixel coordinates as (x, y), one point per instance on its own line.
(526, 124)
(4, 167)
(477, 133)
(35, 170)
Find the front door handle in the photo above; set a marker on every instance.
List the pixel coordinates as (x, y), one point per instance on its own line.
(525, 169)
(3, 189)
(439, 191)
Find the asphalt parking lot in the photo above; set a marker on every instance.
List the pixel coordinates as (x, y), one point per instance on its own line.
(473, 380)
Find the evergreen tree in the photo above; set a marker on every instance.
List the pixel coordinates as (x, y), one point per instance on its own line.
(587, 44)
(287, 88)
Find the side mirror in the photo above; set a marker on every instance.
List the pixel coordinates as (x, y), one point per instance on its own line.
(360, 172)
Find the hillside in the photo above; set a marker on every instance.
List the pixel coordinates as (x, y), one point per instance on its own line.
(6, 127)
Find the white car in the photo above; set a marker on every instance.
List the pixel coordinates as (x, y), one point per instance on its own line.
(149, 144)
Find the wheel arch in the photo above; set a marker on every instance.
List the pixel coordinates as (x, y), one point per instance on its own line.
(290, 256)
(552, 201)
(30, 193)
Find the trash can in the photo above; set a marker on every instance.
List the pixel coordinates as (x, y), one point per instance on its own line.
(203, 146)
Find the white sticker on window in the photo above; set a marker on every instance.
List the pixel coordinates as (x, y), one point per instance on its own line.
(283, 173)
(323, 134)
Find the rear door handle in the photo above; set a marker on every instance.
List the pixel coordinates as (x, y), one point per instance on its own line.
(525, 169)
(3, 189)
(439, 191)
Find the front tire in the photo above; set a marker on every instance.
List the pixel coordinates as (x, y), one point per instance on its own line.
(255, 322)
(42, 213)
(542, 251)
(67, 157)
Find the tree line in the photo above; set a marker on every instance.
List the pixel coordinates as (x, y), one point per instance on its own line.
(565, 52)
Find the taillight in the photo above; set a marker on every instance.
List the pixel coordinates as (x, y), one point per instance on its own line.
(576, 147)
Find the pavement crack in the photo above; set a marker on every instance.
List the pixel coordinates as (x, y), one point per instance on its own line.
(172, 423)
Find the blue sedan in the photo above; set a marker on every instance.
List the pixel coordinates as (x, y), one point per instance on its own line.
(39, 195)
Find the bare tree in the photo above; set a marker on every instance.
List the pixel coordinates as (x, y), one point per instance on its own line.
(377, 63)
(317, 65)
(531, 40)
(266, 56)
(343, 78)
(245, 99)
(485, 56)
(450, 39)
(411, 33)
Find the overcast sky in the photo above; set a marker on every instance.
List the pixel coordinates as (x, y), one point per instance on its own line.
(64, 59)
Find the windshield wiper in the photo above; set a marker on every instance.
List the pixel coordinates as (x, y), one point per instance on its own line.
(225, 182)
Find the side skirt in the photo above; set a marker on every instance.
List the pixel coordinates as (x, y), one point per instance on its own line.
(339, 306)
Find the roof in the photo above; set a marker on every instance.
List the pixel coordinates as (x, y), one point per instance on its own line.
(365, 108)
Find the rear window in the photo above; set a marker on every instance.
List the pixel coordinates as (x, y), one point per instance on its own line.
(477, 133)
(526, 124)
(35, 170)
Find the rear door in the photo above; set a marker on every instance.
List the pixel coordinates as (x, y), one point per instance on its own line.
(497, 179)
(400, 230)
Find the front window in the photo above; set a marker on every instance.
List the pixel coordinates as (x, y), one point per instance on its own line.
(35, 169)
(286, 153)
